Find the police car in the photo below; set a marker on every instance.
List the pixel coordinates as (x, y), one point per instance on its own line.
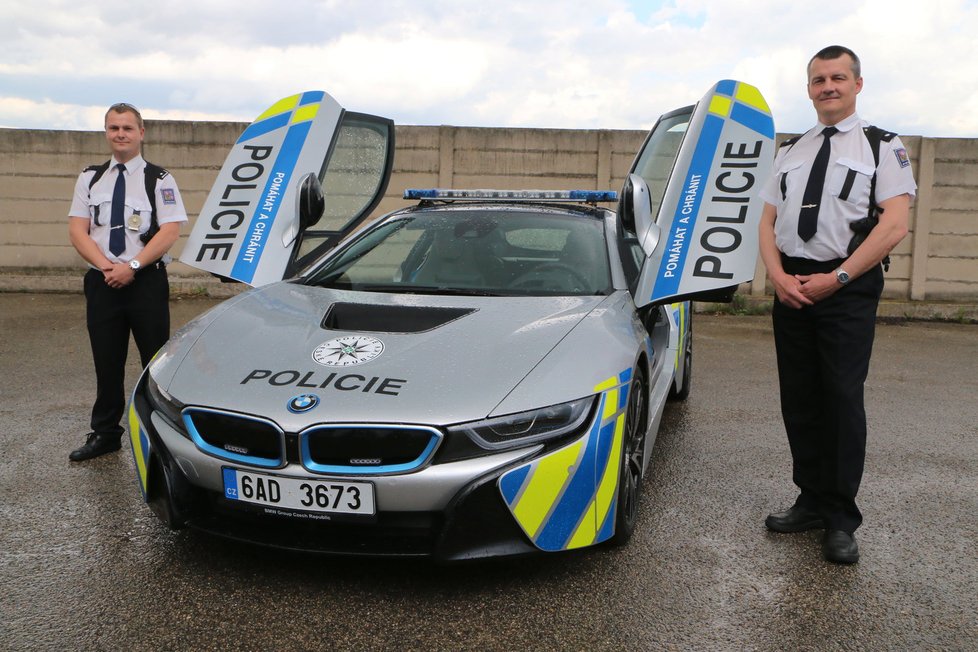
(480, 373)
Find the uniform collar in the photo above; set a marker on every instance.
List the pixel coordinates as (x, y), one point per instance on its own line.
(132, 165)
(848, 124)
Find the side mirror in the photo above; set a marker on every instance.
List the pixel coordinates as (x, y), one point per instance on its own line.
(312, 202)
(635, 212)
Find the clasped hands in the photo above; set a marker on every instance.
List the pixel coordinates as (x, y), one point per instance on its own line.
(799, 290)
(118, 275)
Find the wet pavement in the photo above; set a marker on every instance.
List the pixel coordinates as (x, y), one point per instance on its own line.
(84, 564)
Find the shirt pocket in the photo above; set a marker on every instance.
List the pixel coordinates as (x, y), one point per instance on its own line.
(99, 204)
(789, 177)
(137, 209)
(850, 181)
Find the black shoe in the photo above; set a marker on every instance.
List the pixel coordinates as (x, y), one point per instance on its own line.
(796, 519)
(94, 446)
(840, 547)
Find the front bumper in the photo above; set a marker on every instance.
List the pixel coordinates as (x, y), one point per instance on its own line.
(448, 512)
(508, 503)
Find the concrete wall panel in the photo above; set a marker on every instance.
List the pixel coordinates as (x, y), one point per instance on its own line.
(38, 169)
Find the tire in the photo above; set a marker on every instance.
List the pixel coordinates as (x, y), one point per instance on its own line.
(681, 393)
(632, 452)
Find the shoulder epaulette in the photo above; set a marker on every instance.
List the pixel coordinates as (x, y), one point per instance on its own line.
(153, 170)
(875, 136)
(884, 135)
(99, 170)
(790, 141)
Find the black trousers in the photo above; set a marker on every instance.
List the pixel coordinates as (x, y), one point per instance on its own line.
(823, 355)
(141, 308)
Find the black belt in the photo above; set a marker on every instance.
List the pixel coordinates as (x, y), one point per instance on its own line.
(794, 265)
(159, 264)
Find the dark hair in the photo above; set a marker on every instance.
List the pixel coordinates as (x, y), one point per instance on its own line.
(123, 107)
(834, 52)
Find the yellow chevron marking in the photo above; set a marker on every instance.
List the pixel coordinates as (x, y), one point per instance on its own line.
(610, 404)
(720, 105)
(137, 445)
(607, 384)
(609, 479)
(597, 511)
(304, 113)
(546, 482)
(282, 106)
(750, 96)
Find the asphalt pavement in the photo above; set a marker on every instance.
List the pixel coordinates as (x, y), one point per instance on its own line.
(84, 564)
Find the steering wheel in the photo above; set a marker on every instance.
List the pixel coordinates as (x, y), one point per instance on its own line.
(536, 278)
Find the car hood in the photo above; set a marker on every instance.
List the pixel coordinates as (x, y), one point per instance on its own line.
(441, 360)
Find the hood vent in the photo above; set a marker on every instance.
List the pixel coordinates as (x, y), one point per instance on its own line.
(389, 319)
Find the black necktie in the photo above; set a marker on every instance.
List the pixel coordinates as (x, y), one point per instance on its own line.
(808, 217)
(117, 230)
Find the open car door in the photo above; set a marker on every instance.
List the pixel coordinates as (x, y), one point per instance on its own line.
(691, 199)
(303, 175)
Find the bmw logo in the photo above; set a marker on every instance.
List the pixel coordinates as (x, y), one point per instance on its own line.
(303, 403)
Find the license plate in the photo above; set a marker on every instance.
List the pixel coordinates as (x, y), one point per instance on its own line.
(301, 494)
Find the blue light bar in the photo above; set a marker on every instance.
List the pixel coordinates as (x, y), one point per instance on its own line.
(580, 196)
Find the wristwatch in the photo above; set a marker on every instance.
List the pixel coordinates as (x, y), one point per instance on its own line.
(842, 276)
(134, 266)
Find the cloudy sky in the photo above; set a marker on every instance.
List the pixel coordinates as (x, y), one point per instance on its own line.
(608, 64)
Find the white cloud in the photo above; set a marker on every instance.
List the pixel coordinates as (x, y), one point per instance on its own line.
(573, 64)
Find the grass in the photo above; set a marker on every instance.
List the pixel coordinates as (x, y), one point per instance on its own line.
(740, 305)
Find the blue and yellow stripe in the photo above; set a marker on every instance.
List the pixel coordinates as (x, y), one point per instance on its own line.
(140, 448)
(287, 111)
(680, 313)
(567, 499)
(743, 104)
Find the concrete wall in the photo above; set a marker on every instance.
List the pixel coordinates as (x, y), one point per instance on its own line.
(938, 261)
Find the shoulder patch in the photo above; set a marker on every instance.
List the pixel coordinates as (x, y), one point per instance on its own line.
(902, 158)
(169, 197)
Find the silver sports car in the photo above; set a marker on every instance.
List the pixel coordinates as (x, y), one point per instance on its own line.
(469, 376)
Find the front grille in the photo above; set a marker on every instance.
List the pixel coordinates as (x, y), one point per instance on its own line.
(367, 449)
(236, 437)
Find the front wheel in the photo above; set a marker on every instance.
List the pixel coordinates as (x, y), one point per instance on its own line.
(632, 453)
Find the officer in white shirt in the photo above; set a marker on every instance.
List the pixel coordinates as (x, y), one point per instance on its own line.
(827, 288)
(113, 224)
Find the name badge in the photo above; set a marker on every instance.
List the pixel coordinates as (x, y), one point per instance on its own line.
(134, 222)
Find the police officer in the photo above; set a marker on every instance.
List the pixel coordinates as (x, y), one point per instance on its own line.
(824, 314)
(126, 287)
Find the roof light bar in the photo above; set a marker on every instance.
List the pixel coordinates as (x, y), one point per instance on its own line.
(580, 196)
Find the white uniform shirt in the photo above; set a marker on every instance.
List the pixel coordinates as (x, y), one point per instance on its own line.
(845, 196)
(135, 215)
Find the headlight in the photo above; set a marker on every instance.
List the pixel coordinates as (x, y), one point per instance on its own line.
(165, 404)
(530, 427)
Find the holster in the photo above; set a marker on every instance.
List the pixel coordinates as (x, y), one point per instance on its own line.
(861, 229)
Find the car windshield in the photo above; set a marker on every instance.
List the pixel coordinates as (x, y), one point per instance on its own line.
(488, 252)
